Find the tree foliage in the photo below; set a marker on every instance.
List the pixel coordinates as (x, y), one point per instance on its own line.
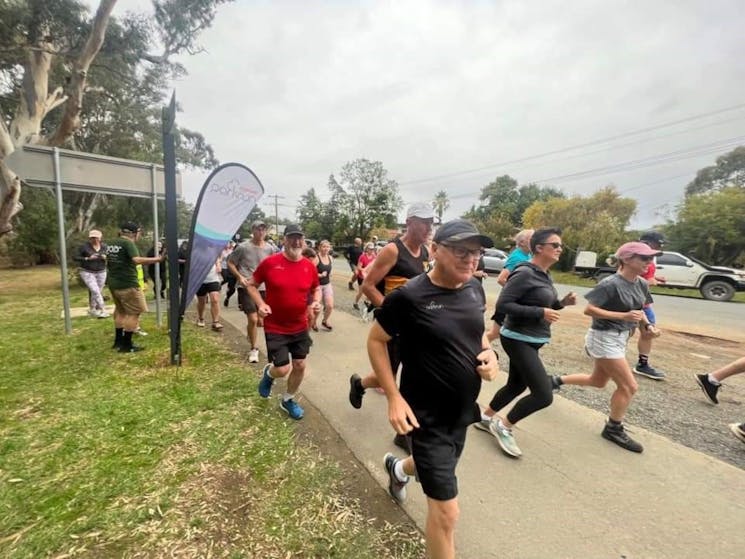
(711, 227)
(92, 82)
(597, 222)
(440, 204)
(363, 199)
(503, 203)
(729, 171)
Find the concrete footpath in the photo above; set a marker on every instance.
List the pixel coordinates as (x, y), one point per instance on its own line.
(572, 494)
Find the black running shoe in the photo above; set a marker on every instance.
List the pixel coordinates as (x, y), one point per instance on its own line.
(401, 442)
(710, 389)
(396, 488)
(555, 383)
(356, 391)
(619, 436)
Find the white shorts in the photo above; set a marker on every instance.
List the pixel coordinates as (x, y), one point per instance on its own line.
(606, 344)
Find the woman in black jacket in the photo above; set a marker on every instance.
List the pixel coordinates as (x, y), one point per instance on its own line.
(530, 302)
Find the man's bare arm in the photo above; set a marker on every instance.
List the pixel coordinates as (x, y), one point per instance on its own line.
(376, 271)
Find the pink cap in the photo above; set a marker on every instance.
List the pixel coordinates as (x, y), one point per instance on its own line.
(636, 248)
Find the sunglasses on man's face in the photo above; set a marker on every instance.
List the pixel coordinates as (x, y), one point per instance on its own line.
(555, 245)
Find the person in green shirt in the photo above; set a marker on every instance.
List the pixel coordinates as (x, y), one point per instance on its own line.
(129, 300)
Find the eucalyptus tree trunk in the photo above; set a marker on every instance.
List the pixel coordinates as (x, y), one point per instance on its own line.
(36, 102)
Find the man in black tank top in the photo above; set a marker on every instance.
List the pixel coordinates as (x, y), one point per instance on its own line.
(396, 263)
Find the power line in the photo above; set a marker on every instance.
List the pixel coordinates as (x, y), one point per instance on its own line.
(578, 146)
(635, 164)
(655, 159)
(616, 146)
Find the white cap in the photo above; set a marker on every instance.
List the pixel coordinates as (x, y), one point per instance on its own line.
(422, 210)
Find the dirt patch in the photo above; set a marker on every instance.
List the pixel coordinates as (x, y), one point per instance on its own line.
(708, 340)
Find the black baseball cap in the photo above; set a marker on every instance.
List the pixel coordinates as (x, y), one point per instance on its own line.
(461, 230)
(653, 237)
(293, 229)
(129, 227)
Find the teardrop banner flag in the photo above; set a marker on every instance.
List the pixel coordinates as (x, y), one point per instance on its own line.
(227, 197)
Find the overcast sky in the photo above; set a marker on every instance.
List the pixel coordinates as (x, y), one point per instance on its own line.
(446, 94)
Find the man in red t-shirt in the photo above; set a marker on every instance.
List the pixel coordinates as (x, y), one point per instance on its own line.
(292, 292)
(656, 241)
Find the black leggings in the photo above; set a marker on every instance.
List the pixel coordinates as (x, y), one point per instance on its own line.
(526, 371)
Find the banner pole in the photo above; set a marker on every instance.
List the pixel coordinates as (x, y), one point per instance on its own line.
(171, 230)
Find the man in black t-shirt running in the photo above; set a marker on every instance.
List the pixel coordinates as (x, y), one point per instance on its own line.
(439, 318)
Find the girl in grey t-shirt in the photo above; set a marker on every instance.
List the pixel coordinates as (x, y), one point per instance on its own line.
(615, 306)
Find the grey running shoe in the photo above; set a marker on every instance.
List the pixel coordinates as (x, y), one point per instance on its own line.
(483, 425)
(710, 389)
(649, 372)
(505, 439)
(618, 435)
(397, 489)
(738, 430)
(356, 391)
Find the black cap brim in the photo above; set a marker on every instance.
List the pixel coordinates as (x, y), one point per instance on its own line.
(483, 240)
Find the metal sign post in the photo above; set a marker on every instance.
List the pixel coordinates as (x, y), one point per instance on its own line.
(63, 169)
(62, 242)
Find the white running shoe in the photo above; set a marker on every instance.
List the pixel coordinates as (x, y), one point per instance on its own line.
(140, 332)
(253, 356)
(103, 314)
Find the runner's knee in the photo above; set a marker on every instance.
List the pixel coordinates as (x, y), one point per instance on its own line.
(444, 514)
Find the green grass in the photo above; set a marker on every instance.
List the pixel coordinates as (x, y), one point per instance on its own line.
(109, 455)
(569, 278)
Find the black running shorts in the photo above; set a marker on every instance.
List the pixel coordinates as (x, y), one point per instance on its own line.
(205, 288)
(436, 451)
(279, 347)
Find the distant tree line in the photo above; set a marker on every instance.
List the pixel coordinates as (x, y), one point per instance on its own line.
(710, 222)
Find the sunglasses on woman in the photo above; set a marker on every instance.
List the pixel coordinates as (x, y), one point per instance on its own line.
(555, 245)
